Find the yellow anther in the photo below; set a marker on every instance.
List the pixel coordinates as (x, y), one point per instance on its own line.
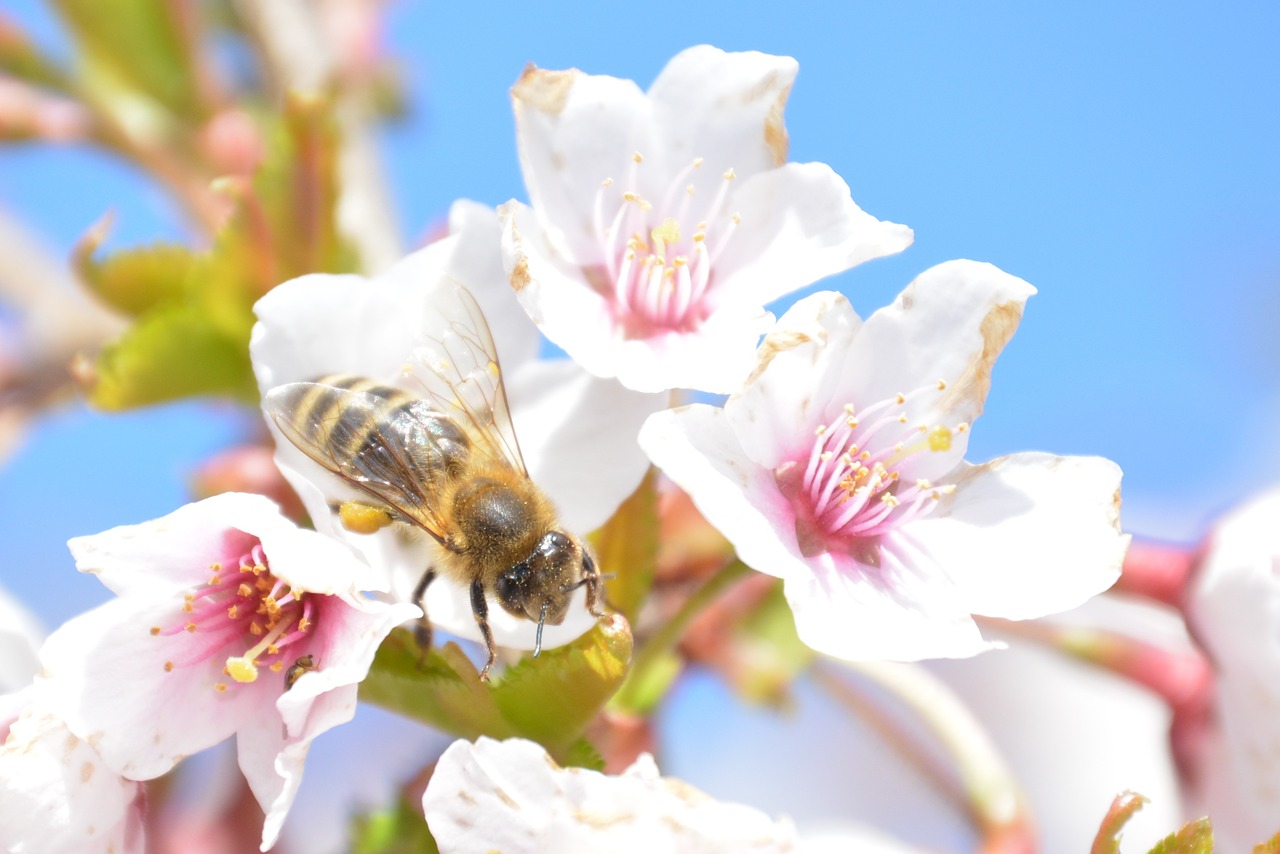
(680, 261)
(255, 628)
(168, 667)
(155, 630)
(188, 607)
(890, 499)
(216, 567)
(729, 174)
(942, 385)
(690, 190)
(191, 627)
(962, 427)
(607, 182)
(234, 612)
(638, 157)
(902, 398)
(304, 625)
(629, 196)
(822, 429)
(902, 419)
(220, 687)
(940, 438)
(698, 237)
(923, 484)
(244, 590)
(697, 163)
(215, 580)
(277, 667)
(737, 218)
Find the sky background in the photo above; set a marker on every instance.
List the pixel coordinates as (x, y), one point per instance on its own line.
(1120, 157)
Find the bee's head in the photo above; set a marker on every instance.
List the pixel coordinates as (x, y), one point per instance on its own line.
(540, 587)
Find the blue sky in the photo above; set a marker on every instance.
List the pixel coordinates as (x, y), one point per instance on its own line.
(1120, 157)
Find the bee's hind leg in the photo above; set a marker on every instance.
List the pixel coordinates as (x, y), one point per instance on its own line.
(480, 608)
(422, 631)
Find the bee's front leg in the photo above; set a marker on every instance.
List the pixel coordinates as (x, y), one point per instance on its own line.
(480, 608)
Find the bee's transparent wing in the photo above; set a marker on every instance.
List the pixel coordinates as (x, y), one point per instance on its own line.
(457, 362)
(388, 455)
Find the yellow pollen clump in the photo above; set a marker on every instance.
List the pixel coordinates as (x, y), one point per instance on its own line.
(216, 567)
(890, 499)
(155, 630)
(923, 484)
(940, 438)
(962, 427)
(168, 667)
(629, 196)
(220, 687)
(272, 649)
(729, 174)
(680, 261)
(255, 628)
(191, 627)
(304, 624)
(233, 612)
(699, 237)
(902, 419)
(244, 590)
(187, 607)
(942, 385)
(277, 667)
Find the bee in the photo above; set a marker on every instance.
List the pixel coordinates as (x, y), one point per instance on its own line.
(447, 463)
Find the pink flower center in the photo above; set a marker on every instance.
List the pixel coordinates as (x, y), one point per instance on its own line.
(249, 615)
(659, 258)
(850, 489)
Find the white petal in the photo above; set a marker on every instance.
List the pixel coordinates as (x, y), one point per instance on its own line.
(799, 224)
(725, 107)
(1029, 534)
(695, 447)
(105, 675)
(20, 637)
(57, 797)
(862, 613)
(509, 796)
(790, 392)
(574, 131)
(581, 433)
(176, 551)
(949, 324)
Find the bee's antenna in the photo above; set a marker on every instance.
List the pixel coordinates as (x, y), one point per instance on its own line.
(542, 616)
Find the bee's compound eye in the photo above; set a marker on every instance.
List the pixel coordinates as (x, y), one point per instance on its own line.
(512, 586)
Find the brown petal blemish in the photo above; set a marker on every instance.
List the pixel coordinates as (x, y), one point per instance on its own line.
(996, 330)
(545, 91)
(520, 277)
(781, 341)
(775, 131)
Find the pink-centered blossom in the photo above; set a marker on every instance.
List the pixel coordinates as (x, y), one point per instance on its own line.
(576, 432)
(839, 467)
(661, 223)
(229, 620)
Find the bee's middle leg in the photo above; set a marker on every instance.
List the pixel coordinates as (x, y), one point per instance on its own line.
(422, 631)
(480, 608)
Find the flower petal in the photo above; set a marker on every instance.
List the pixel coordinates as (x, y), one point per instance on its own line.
(788, 394)
(510, 796)
(579, 432)
(56, 797)
(177, 550)
(573, 131)
(850, 610)
(798, 224)
(949, 324)
(695, 447)
(20, 637)
(1029, 534)
(105, 674)
(725, 107)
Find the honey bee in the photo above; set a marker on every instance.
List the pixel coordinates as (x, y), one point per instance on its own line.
(447, 463)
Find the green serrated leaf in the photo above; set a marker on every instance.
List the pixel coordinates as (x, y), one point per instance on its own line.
(1195, 837)
(583, 754)
(172, 352)
(135, 280)
(1271, 846)
(399, 829)
(1109, 832)
(552, 698)
(442, 688)
(140, 46)
(627, 548)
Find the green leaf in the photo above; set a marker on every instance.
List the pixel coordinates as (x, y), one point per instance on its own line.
(21, 58)
(135, 280)
(399, 829)
(138, 46)
(549, 699)
(1110, 831)
(627, 548)
(583, 754)
(442, 688)
(553, 697)
(1195, 837)
(172, 352)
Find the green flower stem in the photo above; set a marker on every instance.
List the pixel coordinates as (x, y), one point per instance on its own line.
(991, 796)
(655, 666)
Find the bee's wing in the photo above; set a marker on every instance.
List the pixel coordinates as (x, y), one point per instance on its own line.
(388, 454)
(458, 364)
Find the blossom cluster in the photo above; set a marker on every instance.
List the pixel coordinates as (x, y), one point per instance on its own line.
(659, 226)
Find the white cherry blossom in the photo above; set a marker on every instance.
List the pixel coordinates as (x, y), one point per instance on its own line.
(510, 796)
(576, 432)
(839, 468)
(1234, 612)
(661, 223)
(221, 606)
